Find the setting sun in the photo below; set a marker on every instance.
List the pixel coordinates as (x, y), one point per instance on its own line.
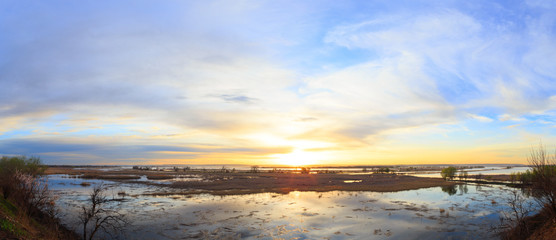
(299, 158)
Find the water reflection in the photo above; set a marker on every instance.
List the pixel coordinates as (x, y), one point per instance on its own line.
(463, 188)
(431, 213)
(451, 190)
(459, 189)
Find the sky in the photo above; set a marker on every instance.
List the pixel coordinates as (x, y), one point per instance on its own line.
(277, 82)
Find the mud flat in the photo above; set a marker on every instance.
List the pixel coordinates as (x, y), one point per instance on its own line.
(223, 183)
(226, 184)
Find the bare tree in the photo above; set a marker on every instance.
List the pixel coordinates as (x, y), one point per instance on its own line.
(97, 216)
(513, 223)
(543, 167)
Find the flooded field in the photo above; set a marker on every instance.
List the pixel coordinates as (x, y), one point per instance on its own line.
(460, 212)
(484, 171)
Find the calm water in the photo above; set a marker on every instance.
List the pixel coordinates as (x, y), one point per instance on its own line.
(463, 212)
(484, 171)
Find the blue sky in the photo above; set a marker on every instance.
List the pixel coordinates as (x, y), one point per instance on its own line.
(277, 82)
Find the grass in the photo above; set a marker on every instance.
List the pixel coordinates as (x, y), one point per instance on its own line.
(8, 207)
(8, 214)
(15, 223)
(11, 228)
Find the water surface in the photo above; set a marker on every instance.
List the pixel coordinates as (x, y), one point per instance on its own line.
(461, 212)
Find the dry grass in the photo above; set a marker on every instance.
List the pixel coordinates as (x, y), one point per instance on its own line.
(109, 177)
(159, 176)
(17, 224)
(541, 226)
(243, 183)
(70, 171)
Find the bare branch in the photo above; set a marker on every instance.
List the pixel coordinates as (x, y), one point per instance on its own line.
(97, 216)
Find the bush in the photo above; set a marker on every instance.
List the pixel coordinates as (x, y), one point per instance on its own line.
(525, 177)
(32, 165)
(21, 180)
(543, 177)
(9, 166)
(448, 173)
(383, 170)
(541, 184)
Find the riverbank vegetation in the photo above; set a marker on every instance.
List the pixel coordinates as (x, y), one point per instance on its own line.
(540, 183)
(27, 208)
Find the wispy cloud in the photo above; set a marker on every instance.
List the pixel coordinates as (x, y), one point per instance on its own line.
(233, 98)
(480, 118)
(263, 78)
(473, 62)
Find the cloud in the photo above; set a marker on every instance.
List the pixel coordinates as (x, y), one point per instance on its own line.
(95, 150)
(232, 98)
(480, 118)
(348, 75)
(373, 98)
(404, 32)
(508, 117)
(306, 119)
(473, 62)
(433, 67)
(95, 61)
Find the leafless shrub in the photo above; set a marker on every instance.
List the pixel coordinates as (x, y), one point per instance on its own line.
(540, 183)
(513, 223)
(96, 215)
(33, 191)
(543, 167)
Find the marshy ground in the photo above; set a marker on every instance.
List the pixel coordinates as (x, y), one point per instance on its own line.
(218, 203)
(230, 183)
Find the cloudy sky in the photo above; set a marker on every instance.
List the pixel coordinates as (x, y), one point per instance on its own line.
(277, 82)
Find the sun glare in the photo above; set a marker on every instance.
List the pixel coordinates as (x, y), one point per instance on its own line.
(298, 158)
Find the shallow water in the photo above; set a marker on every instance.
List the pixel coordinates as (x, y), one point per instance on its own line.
(463, 212)
(483, 171)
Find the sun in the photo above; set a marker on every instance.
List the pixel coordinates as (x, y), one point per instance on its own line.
(298, 158)
(305, 152)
